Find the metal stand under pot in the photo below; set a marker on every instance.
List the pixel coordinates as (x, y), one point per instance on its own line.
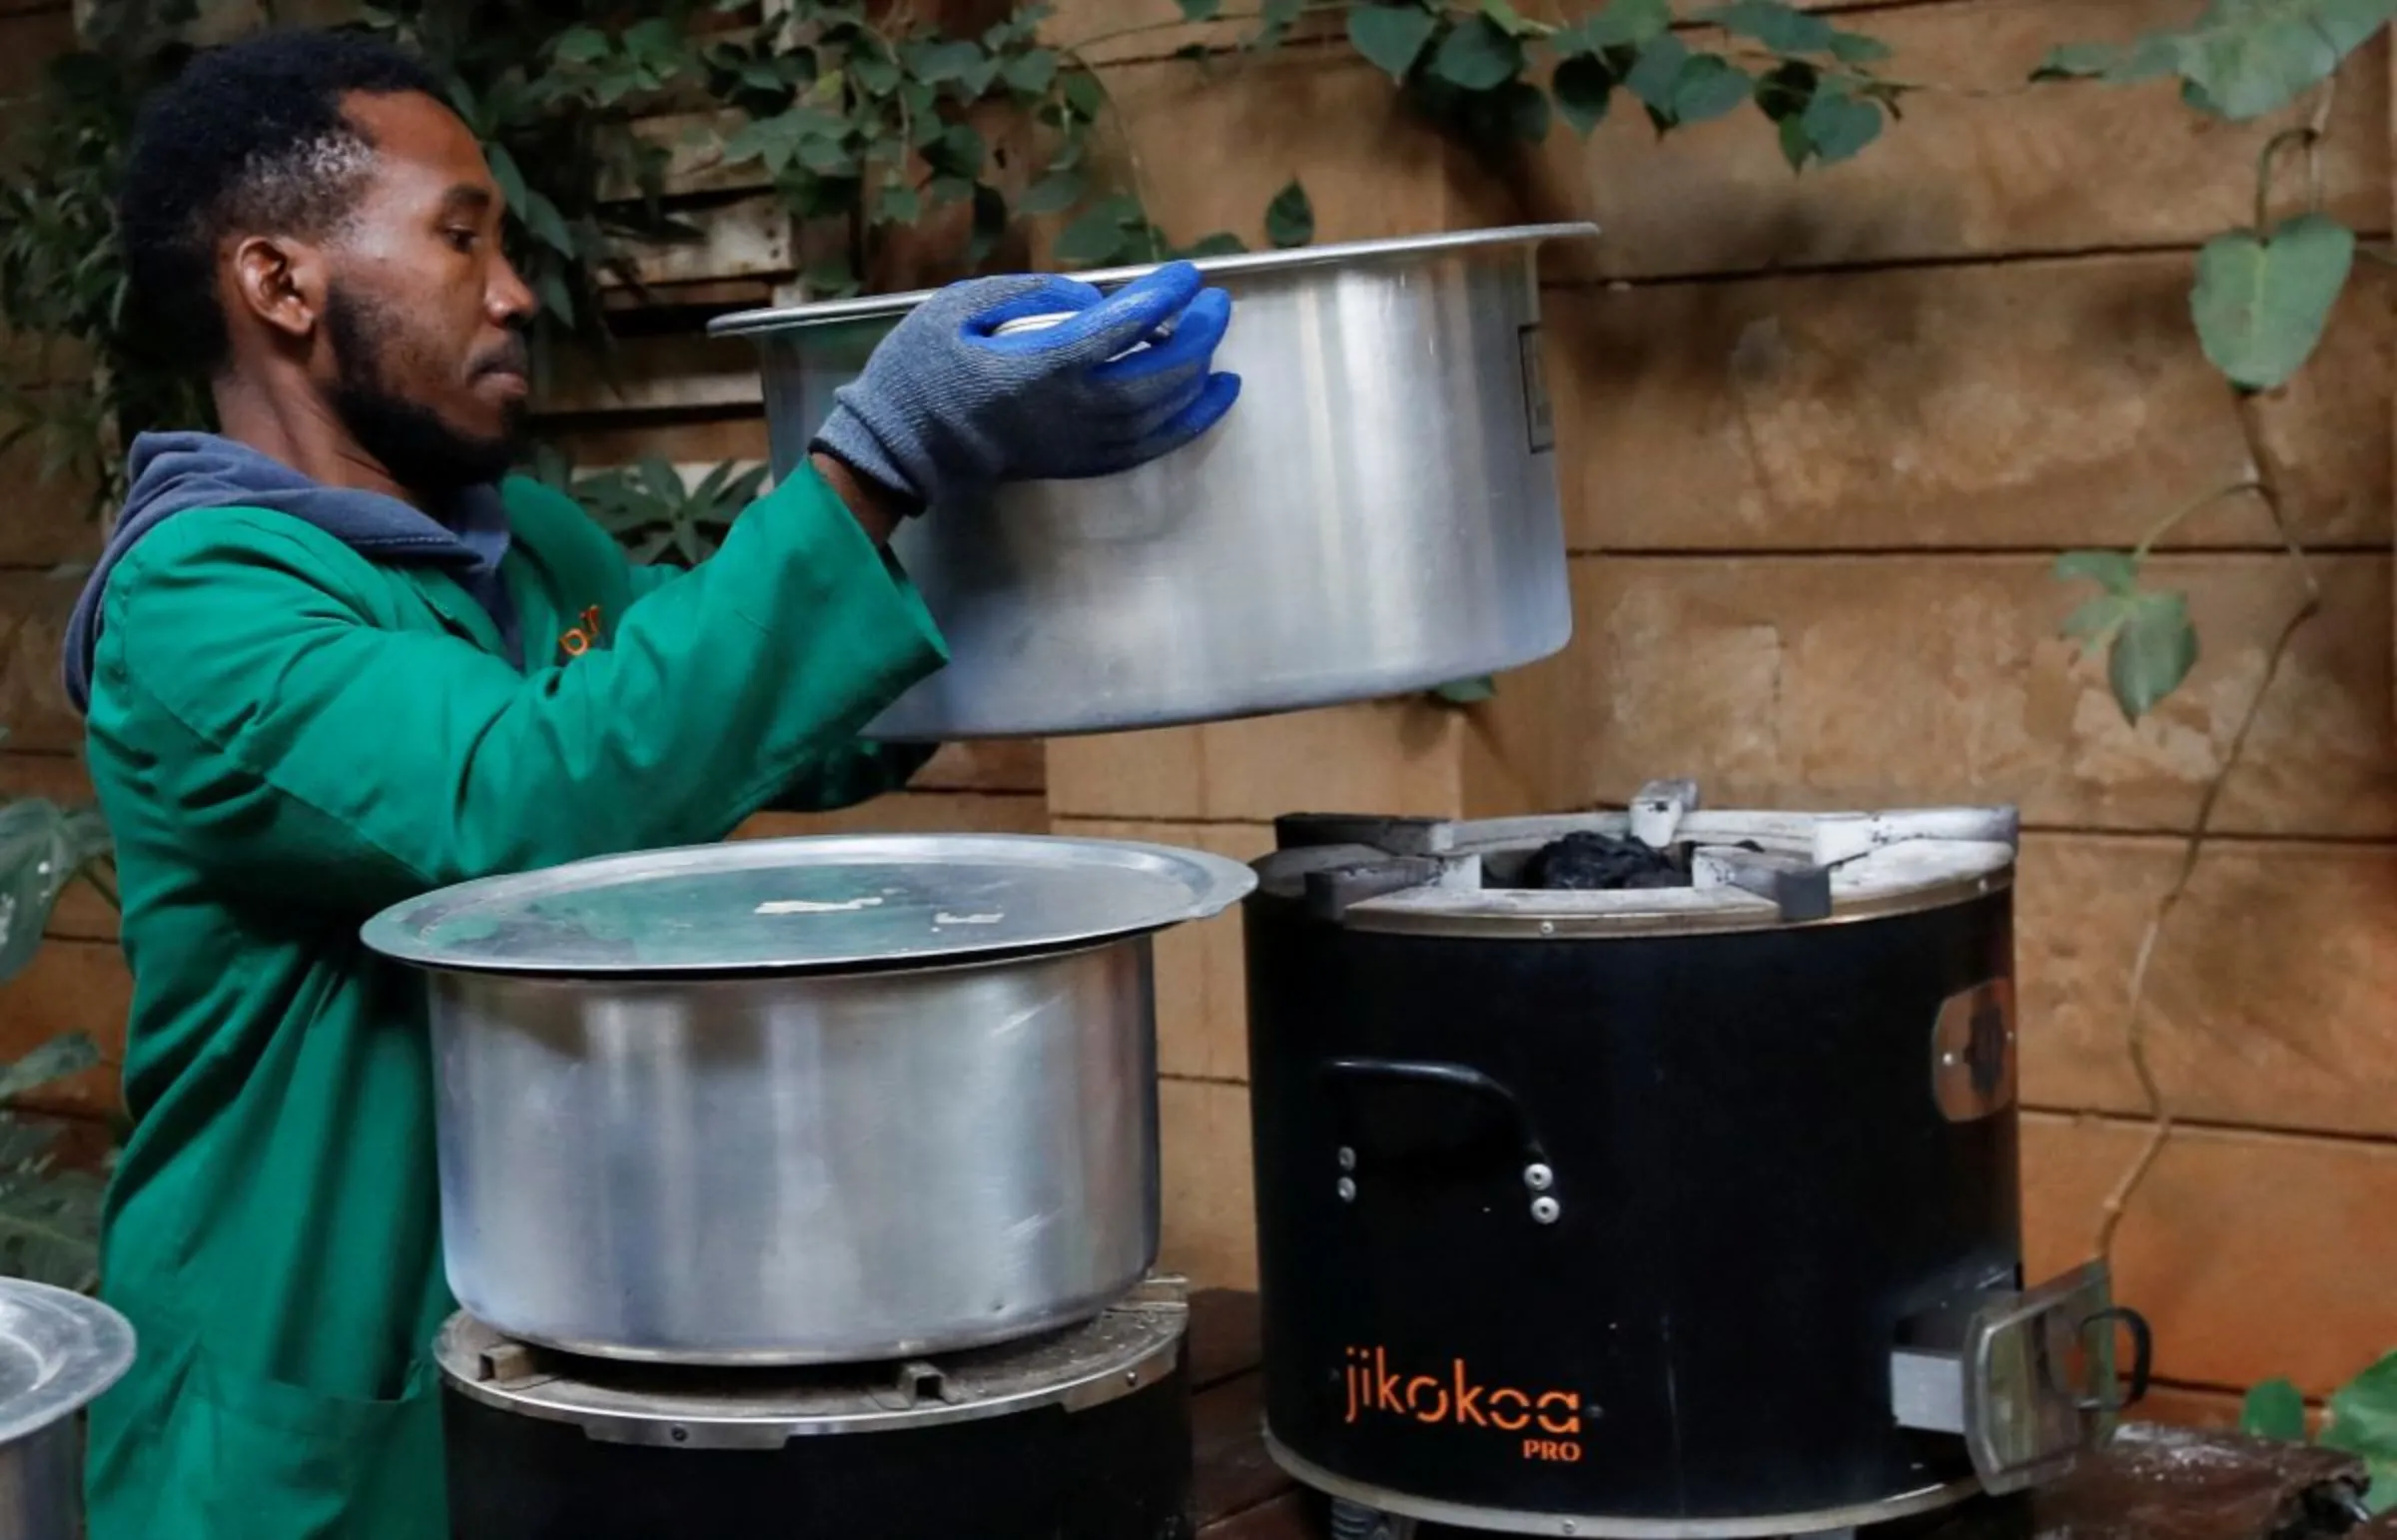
(808, 1188)
(1654, 1174)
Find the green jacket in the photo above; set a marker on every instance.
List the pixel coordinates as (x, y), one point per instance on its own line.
(286, 738)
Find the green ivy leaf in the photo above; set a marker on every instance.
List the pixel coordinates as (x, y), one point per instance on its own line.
(1391, 37)
(2363, 1416)
(2155, 649)
(899, 205)
(875, 75)
(1506, 18)
(1709, 87)
(1477, 55)
(1783, 91)
(1583, 85)
(1624, 23)
(1201, 10)
(1780, 27)
(2240, 59)
(579, 45)
(1856, 48)
(1290, 217)
(2260, 303)
(1657, 76)
(1053, 193)
(960, 151)
(1221, 243)
(2115, 571)
(1097, 236)
(1085, 94)
(2274, 1409)
(1523, 107)
(548, 225)
(1838, 124)
(1797, 145)
(937, 63)
(1032, 72)
(990, 222)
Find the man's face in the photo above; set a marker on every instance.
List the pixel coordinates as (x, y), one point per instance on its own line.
(423, 315)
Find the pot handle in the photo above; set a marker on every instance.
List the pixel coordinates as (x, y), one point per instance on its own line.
(1539, 1178)
(2142, 1357)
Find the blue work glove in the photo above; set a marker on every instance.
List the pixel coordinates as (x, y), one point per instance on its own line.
(947, 404)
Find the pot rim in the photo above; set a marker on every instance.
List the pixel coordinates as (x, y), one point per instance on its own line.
(1210, 883)
(84, 1347)
(867, 307)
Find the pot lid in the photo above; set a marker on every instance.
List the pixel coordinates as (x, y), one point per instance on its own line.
(1134, 1343)
(58, 1351)
(811, 903)
(1230, 264)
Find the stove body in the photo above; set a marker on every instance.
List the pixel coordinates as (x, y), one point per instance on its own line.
(1688, 1209)
(1078, 1434)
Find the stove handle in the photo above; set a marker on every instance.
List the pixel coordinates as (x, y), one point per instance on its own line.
(1539, 1178)
(2142, 1357)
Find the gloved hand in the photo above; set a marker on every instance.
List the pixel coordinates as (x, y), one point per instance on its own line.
(945, 404)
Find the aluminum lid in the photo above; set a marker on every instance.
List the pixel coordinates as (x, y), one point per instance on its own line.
(58, 1351)
(1230, 264)
(818, 903)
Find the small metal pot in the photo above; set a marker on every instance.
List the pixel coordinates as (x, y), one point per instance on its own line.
(801, 1101)
(58, 1351)
(1377, 514)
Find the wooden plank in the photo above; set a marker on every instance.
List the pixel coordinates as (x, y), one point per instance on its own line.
(1751, 673)
(2251, 1254)
(48, 521)
(1201, 981)
(911, 812)
(681, 371)
(2038, 404)
(1294, 1515)
(70, 986)
(33, 699)
(751, 237)
(1230, 1471)
(2268, 1002)
(1385, 756)
(1372, 167)
(694, 146)
(1225, 1336)
(1210, 1207)
(2065, 168)
(606, 442)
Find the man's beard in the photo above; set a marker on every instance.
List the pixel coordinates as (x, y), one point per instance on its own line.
(408, 439)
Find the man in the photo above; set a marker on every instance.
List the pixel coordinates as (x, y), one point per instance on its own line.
(332, 658)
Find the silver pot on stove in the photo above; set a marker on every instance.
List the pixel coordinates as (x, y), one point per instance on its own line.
(807, 1101)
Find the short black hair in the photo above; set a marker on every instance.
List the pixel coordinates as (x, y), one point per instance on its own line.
(249, 136)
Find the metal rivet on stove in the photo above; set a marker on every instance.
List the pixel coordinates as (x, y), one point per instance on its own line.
(681, 1435)
(1347, 1191)
(1538, 1178)
(1547, 927)
(1545, 1210)
(1347, 1159)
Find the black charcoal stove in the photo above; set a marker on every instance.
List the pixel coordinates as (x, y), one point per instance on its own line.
(1078, 1434)
(1654, 1173)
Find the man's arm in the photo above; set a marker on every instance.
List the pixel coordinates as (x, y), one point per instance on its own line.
(304, 750)
(863, 771)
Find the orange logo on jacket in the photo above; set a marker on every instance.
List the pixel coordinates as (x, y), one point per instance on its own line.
(1457, 1399)
(584, 635)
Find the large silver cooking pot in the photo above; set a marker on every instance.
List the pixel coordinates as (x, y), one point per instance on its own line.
(803, 1101)
(58, 1353)
(1376, 514)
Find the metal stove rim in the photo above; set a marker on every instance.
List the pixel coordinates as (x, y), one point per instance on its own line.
(1582, 1526)
(1159, 1311)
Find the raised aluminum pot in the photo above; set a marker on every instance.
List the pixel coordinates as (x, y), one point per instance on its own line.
(805, 1101)
(1377, 514)
(58, 1351)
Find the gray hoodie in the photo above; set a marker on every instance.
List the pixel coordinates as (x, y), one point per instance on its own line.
(175, 472)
